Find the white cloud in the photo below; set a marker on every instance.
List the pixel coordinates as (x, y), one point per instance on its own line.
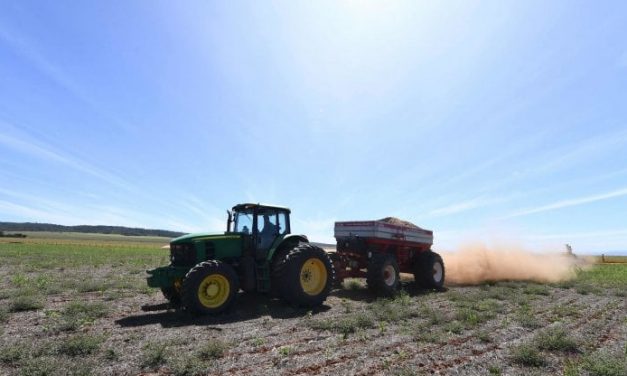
(465, 205)
(45, 152)
(568, 203)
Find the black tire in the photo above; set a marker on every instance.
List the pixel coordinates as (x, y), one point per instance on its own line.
(429, 270)
(304, 275)
(172, 295)
(383, 276)
(209, 275)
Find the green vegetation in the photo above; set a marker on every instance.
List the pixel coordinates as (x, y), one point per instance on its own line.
(556, 338)
(75, 288)
(76, 315)
(604, 275)
(12, 353)
(154, 354)
(80, 345)
(345, 325)
(526, 354)
(214, 349)
(26, 303)
(353, 284)
(604, 363)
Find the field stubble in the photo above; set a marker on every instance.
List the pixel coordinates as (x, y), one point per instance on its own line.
(80, 306)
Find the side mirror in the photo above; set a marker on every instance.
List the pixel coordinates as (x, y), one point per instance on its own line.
(229, 220)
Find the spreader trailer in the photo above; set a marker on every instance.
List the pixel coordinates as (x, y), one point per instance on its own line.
(379, 250)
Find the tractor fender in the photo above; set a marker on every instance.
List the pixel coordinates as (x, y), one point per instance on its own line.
(288, 241)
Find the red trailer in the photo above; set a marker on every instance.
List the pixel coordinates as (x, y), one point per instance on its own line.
(379, 250)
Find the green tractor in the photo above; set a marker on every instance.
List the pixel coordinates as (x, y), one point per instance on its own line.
(256, 253)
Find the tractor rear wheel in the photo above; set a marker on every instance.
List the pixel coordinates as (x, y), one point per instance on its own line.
(383, 276)
(209, 287)
(429, 270)
(305, 275)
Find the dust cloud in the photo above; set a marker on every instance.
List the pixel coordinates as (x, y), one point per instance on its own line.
(475, 263)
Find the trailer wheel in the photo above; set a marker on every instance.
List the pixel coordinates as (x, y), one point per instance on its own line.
(383, 275)
(209, 288)
(429, 270)
(304, 275)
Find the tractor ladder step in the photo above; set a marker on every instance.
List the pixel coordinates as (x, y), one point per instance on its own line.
(263, 277)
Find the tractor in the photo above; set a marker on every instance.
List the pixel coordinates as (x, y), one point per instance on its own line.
(257, 253)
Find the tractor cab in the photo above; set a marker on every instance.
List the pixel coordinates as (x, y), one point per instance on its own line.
(262, 225)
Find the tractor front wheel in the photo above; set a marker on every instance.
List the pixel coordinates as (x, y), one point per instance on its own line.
(173, 293)
(383, 276)
(305, 275)
(209, 287)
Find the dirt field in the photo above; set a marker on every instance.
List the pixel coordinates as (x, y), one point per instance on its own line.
(80, 306)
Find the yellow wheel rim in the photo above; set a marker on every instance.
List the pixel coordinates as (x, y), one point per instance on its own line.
(214, 291)
(313, 276)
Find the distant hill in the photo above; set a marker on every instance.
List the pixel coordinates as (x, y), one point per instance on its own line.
(117, 230)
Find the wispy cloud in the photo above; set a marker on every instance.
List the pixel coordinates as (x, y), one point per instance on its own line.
(589, 234)
(465, 205)
(569, 203)
(38, 149)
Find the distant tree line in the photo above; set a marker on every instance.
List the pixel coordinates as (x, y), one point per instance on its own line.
(16, 235)
(118, 230)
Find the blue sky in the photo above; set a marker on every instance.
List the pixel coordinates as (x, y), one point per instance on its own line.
(473, 119)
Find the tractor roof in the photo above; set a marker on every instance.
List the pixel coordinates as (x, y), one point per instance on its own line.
(247, 206)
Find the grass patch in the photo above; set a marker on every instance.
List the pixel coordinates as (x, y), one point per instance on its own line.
(85, 311)
(187, 365)
(92, 286)
(154, 354)
(525, 354)
(215, 349)
(393, 310)
(80, 345)
(537, 289)
(4, 314)
(483, 336)
(345, 325)
(566, 310)
(454, 327)
(285, 350)
(526, 317)
(43, 366)
(76, 315)
(471, 318)
(586, 289)
(556, 339)
(26, 303)
(13, 353)
(604, 363)
(426, 335)
(353, 284)
(433, 316)
(604, 275)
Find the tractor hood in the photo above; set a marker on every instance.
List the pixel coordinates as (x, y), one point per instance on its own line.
(189, 238)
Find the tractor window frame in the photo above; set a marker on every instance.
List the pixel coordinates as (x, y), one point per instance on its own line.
(250, 215)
